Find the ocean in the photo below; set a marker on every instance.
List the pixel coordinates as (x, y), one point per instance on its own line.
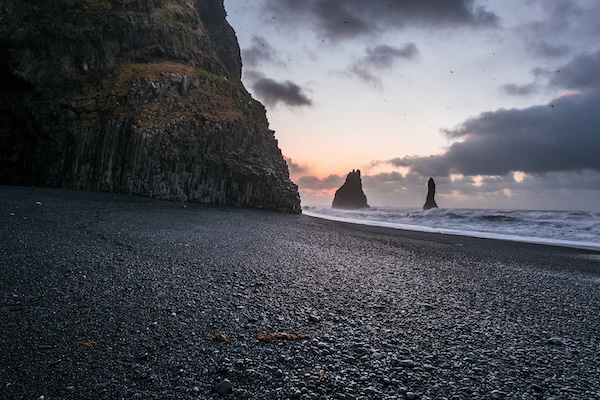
(577, 229)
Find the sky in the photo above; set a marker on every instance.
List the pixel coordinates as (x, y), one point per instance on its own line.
(497, 100)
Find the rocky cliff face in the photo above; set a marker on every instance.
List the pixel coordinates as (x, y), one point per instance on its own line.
(132, 96)
(350, 195)
(430, 200)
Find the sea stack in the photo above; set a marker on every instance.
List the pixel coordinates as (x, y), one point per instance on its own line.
(350, 196)
(430, 202)
(138, 97)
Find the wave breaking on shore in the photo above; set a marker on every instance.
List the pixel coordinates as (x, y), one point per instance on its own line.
(576, 229)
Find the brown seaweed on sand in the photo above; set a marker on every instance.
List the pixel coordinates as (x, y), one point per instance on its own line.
(221, 337)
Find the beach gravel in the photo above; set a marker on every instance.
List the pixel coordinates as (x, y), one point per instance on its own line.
(108, 296)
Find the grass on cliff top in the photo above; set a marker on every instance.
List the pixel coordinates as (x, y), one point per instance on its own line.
(216, 99)
(119, 81)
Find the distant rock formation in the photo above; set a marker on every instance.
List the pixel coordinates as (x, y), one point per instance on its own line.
(138, 97)
(350, 196)
(430, 202)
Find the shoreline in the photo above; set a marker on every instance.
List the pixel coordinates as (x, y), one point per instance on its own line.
(472, 234)
(113, 296)
(545, 256)
(358, 223)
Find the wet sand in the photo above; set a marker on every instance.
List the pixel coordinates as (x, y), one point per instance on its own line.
(111, 296)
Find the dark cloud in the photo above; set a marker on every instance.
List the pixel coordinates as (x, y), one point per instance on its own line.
(295, 167)
(273, 93)
(379, 58)
(549, 50)
(578, 189)
(585, 180)
(352, 18)
(314, 183)
(581, 73)
(520, 90)
(540, 37)
(260, 52)
(559, 137)
(559, 23)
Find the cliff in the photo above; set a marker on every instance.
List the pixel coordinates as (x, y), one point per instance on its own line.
(132, 96)
(430, 200)
(350, 195)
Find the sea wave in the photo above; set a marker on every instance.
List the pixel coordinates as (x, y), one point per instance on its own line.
(578, 229)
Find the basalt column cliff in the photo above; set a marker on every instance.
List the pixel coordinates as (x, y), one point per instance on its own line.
(139, 97)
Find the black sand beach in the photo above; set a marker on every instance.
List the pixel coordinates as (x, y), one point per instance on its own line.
(108, 296)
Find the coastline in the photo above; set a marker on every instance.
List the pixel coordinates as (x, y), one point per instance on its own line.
(109, 296)
(467, 233)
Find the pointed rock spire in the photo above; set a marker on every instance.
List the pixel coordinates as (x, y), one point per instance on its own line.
(350, 195)
(430, 202)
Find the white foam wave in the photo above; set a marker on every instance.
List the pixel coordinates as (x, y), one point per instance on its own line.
(559, 228)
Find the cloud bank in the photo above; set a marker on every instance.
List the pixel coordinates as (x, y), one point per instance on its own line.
(581, 73)
(273, 93)
(561, 24)
(561, 136)
(352, 18)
